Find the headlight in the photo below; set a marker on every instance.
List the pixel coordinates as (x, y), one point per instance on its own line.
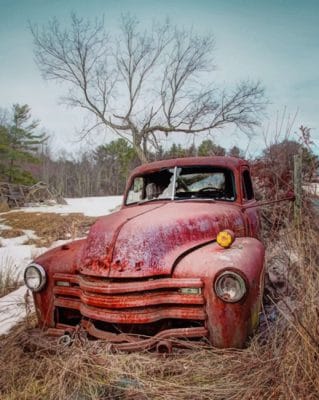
(230, 287)
(34, 277)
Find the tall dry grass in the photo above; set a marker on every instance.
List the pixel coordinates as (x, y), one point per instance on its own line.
(10, 278)
(281, 362)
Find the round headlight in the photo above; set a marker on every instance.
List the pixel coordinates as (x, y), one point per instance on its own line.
(230, 287)
(34, 277)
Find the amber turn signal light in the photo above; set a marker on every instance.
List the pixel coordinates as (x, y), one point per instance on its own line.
(225, 238)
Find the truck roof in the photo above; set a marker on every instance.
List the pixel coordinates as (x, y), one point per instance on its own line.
(219, 161)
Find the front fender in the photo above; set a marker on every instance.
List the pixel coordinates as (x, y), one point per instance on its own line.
(63, 259)
(229, 324)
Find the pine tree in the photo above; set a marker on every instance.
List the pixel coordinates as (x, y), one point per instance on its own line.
(236, 152)
(18, 145)
(115, 160)
(209, 148)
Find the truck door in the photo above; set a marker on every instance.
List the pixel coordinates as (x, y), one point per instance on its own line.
(252, 213)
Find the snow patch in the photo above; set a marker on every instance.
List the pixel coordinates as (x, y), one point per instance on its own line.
(89, 206)
(16, 257)
(312, 189)
(13, 308)
(4, 226)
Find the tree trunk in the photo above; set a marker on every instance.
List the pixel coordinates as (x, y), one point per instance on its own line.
(139, 148)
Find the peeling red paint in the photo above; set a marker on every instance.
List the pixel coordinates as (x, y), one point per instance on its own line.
(150, 268)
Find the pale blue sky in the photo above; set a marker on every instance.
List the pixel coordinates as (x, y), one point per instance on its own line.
(276, 42)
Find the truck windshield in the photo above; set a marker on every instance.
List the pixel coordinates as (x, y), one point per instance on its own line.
(182, 183)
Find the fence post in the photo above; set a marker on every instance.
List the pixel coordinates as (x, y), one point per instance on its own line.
(297, 187)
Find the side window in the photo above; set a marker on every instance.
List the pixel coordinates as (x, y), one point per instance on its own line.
(247, 186)
(135, 193)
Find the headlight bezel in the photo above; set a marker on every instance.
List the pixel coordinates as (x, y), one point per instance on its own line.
(239, 277)
(42, 277)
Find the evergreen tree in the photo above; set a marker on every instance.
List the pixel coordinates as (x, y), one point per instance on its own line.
(209, 148)
(115, 160)
(235, 152)
(176, 151)
(18, 145)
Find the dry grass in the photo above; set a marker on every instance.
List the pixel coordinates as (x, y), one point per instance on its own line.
(94, 373)
(49, 227)
(280, 363)
(11, 233)
(4, 207)
(9, 278)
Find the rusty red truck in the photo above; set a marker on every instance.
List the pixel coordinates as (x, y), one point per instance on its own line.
(181, 259)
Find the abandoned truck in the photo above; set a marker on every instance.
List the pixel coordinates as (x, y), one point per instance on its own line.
(181, 259)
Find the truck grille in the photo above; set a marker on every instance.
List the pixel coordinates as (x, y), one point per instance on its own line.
(133, 302)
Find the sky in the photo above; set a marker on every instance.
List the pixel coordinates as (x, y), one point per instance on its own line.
(274, 41)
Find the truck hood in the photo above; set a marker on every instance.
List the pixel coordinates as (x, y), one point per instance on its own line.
(146, 240)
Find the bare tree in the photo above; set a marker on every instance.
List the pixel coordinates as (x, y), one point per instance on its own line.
(142, 85)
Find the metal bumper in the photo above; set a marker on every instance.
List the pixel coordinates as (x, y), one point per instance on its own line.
(125, 342)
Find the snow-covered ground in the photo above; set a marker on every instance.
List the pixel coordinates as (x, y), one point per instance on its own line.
(16, 256)
(89, 206)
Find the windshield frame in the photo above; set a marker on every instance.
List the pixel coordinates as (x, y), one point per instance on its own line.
(172, 196)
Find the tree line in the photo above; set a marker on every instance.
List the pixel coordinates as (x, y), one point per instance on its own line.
(25, 158)
(104, 170)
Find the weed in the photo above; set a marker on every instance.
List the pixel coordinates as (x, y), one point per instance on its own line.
(10, 279)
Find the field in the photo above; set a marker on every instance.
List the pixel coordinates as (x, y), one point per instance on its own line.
(280, 362)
